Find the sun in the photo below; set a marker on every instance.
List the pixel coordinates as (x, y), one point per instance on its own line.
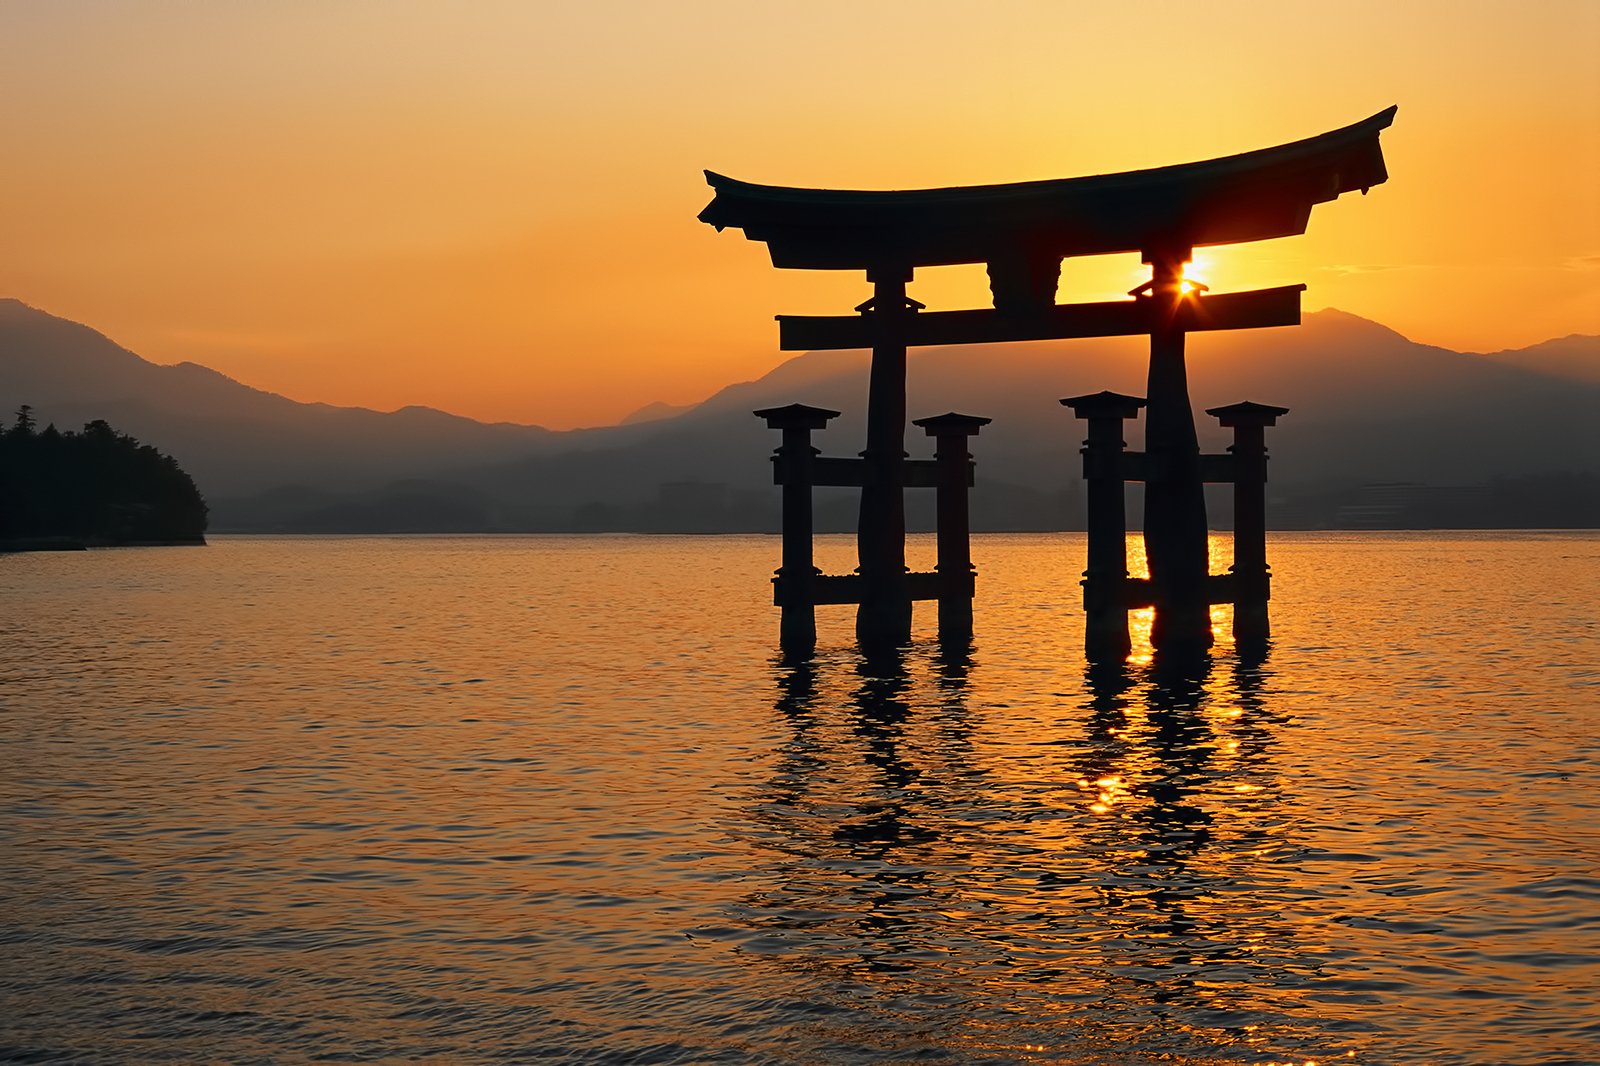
(1191, 282)
(1198, 265)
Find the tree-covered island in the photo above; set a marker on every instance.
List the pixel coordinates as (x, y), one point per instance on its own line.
(93, 488)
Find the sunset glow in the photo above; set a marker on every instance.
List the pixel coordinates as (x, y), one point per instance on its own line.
(493, 212)
(716, 531)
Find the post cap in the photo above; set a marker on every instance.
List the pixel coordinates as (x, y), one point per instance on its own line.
(1247, 414)
(796, 416)
(1104, 405)
(951, 424)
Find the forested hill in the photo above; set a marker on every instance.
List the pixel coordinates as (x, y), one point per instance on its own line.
(97, 487)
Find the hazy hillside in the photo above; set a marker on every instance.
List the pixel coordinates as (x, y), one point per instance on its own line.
(232, 438)
(1367, 407)
(1576, 357)
(656, 412)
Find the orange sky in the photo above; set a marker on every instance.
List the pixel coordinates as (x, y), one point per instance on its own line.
(490, 208)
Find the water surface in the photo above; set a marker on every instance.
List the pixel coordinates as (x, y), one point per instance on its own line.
(472, 799)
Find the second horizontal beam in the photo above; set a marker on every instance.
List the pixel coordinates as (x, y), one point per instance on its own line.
(1113, 318)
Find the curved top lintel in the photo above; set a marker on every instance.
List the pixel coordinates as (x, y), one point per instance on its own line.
(1251, 196)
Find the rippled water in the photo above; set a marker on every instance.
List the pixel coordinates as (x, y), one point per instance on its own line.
(473, 799)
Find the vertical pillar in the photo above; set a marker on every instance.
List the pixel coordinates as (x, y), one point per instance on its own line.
(1252, 579)
(884, 616)
(954, 464)
(1104, 580)
(793, 469)
(1175, 530)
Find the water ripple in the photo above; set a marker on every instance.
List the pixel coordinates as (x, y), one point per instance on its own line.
(353, 800)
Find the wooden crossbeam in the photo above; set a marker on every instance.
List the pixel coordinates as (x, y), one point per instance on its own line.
(851, 472)
(1254, 309)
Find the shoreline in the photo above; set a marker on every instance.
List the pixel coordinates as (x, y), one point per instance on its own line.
(17, 545)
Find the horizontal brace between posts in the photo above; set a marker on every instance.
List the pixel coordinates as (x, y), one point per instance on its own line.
(1254, 309)
(846, 472)
(847, 588)
(1138, 592)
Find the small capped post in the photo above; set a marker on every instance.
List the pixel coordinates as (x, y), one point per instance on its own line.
(1105, 580)
(1252, 579)
(793, 467)
(954, 474)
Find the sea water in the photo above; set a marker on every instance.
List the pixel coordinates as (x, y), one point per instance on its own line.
(478, 799)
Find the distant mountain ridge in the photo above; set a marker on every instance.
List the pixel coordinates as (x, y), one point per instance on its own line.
(656, 412)
(1367, 406)
(231, 437)
(1573, 356)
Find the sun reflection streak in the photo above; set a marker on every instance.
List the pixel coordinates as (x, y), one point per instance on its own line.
(1127, 841)
(575, 839)
(1219, 551)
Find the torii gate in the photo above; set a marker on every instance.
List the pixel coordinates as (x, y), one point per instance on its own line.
(1022, 232)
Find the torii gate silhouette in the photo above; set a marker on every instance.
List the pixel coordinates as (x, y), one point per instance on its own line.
(1022, 232)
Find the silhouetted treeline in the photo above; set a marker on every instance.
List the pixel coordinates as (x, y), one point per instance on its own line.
(97, 486)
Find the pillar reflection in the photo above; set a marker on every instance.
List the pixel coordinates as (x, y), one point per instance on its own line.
(1062, 884)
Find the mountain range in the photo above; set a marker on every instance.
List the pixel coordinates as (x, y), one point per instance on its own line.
(1381, 431)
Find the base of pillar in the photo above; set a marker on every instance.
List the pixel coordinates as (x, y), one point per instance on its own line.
(955, 619)
(1184, 627)
(1251, 651)
(1251, 622)
(883, 623)
(1105, 636)
(797, 629)
(955, 654)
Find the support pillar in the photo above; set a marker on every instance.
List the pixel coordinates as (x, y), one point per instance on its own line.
(884, 615)
(1252, 578)
(794, 467)
(1175, 530)
(1105, 579)
(954, 476)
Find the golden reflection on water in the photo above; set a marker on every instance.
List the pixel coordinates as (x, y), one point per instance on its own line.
(1100, 869)
(454, 799)
(1219, 549)
(1208, 889)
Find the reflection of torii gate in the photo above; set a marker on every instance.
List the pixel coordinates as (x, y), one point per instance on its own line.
(1023, 232)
